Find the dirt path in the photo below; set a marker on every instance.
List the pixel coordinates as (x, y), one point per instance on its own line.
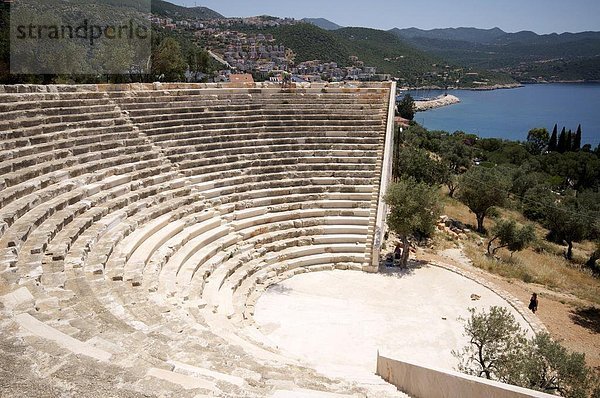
(573, 321)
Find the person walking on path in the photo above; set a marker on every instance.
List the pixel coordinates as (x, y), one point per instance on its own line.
(533, 303)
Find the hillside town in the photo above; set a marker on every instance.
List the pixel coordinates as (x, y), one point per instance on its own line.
(235, 45)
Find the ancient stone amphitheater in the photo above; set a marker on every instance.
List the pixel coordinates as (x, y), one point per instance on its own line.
(139, 224)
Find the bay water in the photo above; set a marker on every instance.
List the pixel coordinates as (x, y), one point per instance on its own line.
(511, 113)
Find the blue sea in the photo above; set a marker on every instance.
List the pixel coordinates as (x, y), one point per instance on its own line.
(511, 113)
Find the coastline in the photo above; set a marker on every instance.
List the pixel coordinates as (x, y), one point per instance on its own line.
(438, 102)
(484, 88)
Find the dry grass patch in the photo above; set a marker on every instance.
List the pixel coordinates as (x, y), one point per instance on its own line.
(542, 264)
(551, 271)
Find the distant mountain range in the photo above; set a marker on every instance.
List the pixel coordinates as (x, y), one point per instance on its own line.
(526, 55)
(322, 23)
(472, 35)
(169, 10)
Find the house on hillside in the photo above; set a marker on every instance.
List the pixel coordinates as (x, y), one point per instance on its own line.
(241, 78)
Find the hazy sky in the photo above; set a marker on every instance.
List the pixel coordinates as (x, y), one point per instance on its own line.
(541, 16)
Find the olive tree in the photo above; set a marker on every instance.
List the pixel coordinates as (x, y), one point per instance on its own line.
(495, 341)
(509, 235)
(569, 221)
(414, 209)
(551, 368)
(498, 349)
(481, 189)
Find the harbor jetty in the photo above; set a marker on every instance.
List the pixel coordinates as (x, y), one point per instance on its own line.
(437, 102)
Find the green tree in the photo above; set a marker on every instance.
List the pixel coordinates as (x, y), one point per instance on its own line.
(509, 235)
(569, 143)
(406, 107)
(553, 143)
(198, 60)
(568, 222)
(562, 141)
(537, 140)
(495, 343)
(458, 158)
(420, 165)
(509, 152)
(498, 350)
(577, 139)
(537, 202)
(553, 369)
(414, 209)
(167, 60)
(594, 257)
(481, 189)
(525, 180)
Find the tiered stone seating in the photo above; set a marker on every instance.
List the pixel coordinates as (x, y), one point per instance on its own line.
(139, 224)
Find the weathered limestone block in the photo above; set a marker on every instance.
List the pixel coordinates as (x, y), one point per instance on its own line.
(20, 299)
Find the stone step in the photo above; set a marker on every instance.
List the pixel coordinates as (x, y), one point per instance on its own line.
(37, 328)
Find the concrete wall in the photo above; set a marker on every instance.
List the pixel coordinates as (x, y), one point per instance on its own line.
(386, 178)
(421, 382)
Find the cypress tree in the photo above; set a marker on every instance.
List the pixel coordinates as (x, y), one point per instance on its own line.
(569, 143)
(562, 141)
(577, 139)
(553, 139)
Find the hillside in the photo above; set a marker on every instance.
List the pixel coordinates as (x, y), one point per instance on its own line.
(381, 49)
(473, 35)
(322, 23)
(386, 52)
(310, 42)
(174, 11)
(525, 55)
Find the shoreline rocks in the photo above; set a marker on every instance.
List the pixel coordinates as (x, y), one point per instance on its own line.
(438, 102)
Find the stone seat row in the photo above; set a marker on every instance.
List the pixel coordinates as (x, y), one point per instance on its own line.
(210, 113)
(12, 141)
(257, 135)
(293, 171)
(35, 131)
(177, 278)
(275, 145)
(238, 184)
(299, 155)
(110, 195)
(58, 151)
(171, 138)
(12, 149)
(278, 125)
(86, 169)
(236, 97)
(269, 166)
(253, 216)
(29, 102)
(180, 155)
(57, 119)
(201, 174)
(232, 122)
(158, 111)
